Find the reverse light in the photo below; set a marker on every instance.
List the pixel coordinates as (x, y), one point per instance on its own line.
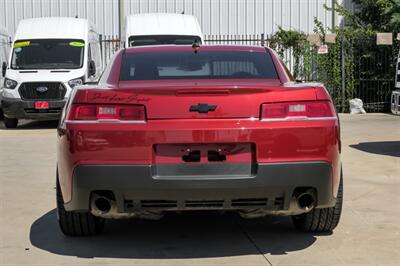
(10, 84)
(104, 113)
(317, 110)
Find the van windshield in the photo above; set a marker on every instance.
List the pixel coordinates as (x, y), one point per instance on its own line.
(48, 54)
(162, 39)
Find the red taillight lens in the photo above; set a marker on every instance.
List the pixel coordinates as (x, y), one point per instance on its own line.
(298, 110)
(83, 112)
(88, 112)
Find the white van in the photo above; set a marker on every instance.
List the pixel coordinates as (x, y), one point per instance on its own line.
(50, 56)
(4, 51)
(162, 28)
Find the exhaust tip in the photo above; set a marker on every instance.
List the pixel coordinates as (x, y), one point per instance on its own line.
(306, 201)
(103, 204)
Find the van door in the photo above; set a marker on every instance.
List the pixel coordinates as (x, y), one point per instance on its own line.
(95, 55)
(3, 55)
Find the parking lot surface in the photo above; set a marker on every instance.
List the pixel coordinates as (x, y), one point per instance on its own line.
(369, 232)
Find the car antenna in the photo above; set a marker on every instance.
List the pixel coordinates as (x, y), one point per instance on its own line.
(196, 46)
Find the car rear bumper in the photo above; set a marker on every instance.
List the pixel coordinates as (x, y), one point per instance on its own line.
(22, 109)
(268, 186)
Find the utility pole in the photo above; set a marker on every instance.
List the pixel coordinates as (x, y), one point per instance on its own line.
(333, 14)
(121, 14)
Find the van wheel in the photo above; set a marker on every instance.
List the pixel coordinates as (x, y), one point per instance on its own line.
(1, 114)
(76, 223)
(10, 122)
(321, 220)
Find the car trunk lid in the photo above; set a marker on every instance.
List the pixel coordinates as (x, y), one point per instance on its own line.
(201, 99)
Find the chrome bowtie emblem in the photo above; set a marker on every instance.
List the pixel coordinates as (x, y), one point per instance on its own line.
(42, 89)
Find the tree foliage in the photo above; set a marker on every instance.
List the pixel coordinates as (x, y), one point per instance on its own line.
(293, 41)
(370, 15)
(393, 13)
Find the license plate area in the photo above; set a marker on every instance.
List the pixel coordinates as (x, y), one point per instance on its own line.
(41, 105)
(204, 153)
(204, 161)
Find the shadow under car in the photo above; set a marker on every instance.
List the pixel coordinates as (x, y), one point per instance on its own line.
(186, 235)
(390, 148)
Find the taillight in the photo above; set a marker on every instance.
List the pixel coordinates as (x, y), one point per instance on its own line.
(318, 110)
(99, 112)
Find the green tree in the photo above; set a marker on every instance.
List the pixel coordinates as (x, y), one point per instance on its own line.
(371, 15)
(393, 13)
(295, 41)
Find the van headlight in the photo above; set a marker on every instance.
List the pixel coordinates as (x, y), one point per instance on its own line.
(75, 82)
(10, 84)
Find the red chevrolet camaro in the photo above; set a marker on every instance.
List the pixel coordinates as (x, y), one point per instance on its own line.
(180, 128)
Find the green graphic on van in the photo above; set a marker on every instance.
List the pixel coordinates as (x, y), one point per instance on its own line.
(77, 44)
(22, 44)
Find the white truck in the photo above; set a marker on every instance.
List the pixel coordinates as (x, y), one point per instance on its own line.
(162, 28)
(50, 56)
(4, 52)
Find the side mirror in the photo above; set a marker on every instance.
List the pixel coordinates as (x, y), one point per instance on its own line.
(4, 69)
(92, 68)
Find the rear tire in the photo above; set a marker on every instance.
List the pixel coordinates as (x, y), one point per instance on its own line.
(1, 114)
(10, 122)
(321, 220)
(76, 223)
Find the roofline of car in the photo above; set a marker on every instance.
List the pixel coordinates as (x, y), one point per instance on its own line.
(168, 47)
(113, 79)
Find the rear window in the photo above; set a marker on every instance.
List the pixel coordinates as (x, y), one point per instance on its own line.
(200, 65)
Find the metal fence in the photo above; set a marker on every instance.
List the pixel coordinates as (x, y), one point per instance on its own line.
(253, 39)
(374, 73)
(373, 69)
(109, 45)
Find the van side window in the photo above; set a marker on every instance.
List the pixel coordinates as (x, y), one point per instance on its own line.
(90, 52)
(3, 48)
(95, 55)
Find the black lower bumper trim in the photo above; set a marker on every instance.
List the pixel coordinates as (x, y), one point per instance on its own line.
(25, 109)
(135, 184)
